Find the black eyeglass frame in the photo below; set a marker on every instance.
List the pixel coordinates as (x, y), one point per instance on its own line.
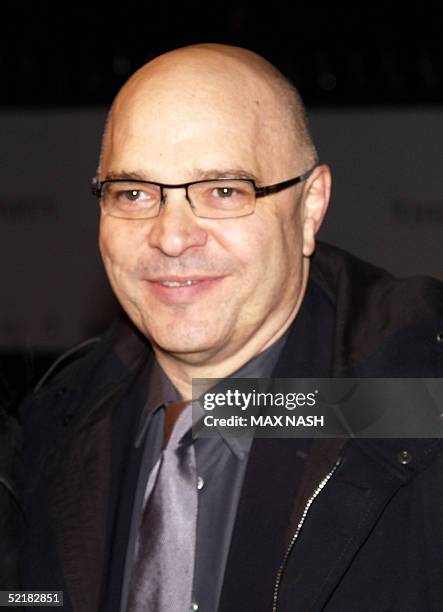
(97, 185)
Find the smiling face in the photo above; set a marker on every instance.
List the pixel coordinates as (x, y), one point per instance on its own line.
(206, 290)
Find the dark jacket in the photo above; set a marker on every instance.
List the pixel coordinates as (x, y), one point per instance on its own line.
(11, 510)
(363, 531)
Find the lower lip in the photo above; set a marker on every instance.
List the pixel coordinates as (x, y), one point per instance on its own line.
(183, 293)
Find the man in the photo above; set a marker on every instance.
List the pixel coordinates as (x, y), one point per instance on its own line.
(219, 276)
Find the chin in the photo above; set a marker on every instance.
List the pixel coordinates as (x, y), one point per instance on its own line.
(182, 339)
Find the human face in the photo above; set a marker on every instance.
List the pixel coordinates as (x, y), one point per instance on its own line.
(244, 277)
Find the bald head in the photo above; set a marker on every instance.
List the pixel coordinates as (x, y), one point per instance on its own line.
(227, 84)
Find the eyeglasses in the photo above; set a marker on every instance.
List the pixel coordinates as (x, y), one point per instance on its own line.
(211, 199)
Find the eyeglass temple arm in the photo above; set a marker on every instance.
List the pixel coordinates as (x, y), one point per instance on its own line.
(96, 187)
(262, 191)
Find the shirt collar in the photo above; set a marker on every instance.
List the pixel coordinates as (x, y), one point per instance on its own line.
(161, 392)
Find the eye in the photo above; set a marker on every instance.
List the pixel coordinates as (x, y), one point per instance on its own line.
(132, 195)
(225, 192)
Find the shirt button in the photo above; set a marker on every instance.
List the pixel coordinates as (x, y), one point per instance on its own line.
(200, 485)
(194, 607)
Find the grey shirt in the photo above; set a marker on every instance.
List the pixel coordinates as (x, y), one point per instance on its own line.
(221, 464)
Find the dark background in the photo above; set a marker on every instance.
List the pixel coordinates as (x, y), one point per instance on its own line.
(59, 55)
(385, 53)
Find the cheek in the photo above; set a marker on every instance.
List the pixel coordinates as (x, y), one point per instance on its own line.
(247, 242)
(277, 237)
(262, 252)
(119, 248)
(118, 244)
(279, 253)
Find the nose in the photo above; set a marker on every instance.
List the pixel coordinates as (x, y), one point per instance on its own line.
(176, 228)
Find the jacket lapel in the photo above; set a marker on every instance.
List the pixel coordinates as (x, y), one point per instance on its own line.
(271, 480)
(280, 478)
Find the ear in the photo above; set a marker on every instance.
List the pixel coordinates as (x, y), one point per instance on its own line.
(315, 204)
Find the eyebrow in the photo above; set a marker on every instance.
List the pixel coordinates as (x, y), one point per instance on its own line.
(196, 174)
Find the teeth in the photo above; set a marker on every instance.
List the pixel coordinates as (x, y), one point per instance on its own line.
(178, 283)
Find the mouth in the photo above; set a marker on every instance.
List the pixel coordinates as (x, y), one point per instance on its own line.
(181, 290)
(175, 283)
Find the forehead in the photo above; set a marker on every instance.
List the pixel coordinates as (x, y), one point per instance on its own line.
(171, 126)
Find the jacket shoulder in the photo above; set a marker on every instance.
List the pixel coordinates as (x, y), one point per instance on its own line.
(82, 358)
(373, 306)
(347, 278)
(83, 370)
(69, 358)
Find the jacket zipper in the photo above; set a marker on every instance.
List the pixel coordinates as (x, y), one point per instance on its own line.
(318, 489)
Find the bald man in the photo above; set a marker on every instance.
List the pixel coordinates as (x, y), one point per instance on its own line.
(211, 196)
